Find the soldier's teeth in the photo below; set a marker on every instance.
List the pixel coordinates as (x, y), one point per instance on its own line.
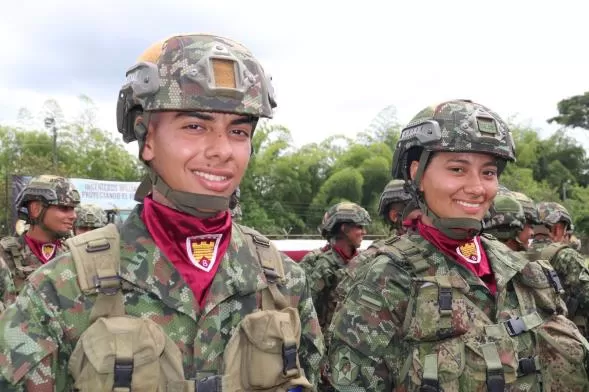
(210, 177)
(472, 205)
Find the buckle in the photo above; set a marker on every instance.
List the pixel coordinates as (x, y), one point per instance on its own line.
(495, 381)
(555, 281)
(123, 373)
(271, 275)
(289, 358)
(428, 385)
(527, 366)
(209, 384)
(108, 285)
(445, 299)
(515, 326)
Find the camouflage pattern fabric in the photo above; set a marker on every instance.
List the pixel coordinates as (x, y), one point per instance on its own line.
(39, 331)
(454, 126)
(323, 274)
(530, 210)
(573, 273)
(344, 212)
(91, 216)
(51, 190)
(12, 279)
(506, 218)
(550, 213)
(391, 330)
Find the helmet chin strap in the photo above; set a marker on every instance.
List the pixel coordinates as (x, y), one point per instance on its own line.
(40, 221)
(454, 228)
(197, 205)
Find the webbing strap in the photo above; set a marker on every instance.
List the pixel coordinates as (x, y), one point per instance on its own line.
(411, 252)
(514, 326)
(429, 380)
(495, 376)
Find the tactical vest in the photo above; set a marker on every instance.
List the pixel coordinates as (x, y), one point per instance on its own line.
(453, 345)
(549, 252)
(122, 353)
(14, 250)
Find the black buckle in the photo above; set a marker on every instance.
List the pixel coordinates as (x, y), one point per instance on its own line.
(428, 385)
(445, 298)
(515, 326)
(271, 275)
(555, 281)
(527, 366)
(289, 357)
(209, 384)
(495, 381)
(123, 373)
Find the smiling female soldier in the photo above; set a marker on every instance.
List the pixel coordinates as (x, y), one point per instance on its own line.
(444, 307)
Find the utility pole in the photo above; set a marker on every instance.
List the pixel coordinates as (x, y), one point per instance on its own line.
(50, 124)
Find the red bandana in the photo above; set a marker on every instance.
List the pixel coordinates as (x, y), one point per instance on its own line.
(468, 253)
(44, 250)
(195, 246)
(342, 254)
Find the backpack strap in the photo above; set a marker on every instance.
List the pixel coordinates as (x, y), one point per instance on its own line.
(550, 251)
(96, 255)
(271, 261)
(14, 249)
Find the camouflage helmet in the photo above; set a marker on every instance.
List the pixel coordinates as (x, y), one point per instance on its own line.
(344, 212)
(506, 217)
(550, 213)
(194, 72)
(530, 210)
(453, 126)
(394, 192)
(91, 216)
(50, 190)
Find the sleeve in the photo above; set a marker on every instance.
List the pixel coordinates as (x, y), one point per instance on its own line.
(320, 277)
(7, 287)
(365, 352)
(28, 344)
(574, 275)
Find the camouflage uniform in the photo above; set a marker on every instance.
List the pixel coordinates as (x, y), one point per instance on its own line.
(326, 270)
(506, 219)
(393, 193)
(90, 216)
(416, 320)
(51, 313)
(567, 262)
(17, 261)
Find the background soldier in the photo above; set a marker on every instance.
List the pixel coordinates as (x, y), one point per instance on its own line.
(507, 222)
(47, 205)
(391, 206)
(89, 217)
(194, 299)
(568, 263)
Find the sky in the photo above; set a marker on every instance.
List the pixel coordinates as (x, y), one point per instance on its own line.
(334, 66)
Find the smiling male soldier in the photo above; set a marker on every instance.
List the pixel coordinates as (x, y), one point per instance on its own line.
(188, 300)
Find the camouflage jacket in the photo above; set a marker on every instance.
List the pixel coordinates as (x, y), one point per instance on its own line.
(573, 273)
(39, 331)
(324, 272)
(12, 279)
(414, 318)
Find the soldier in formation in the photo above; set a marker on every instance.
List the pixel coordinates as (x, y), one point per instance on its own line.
(89, 217)
(183, 299)
(444, 307)
(47, 205)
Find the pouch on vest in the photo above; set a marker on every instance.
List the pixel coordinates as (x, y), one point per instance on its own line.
(118, 352)
(545, 288)
(262, 354)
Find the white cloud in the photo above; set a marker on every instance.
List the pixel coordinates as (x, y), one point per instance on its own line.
(335, 66)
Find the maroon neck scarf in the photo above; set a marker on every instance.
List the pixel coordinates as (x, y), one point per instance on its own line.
(194, 246)
(44, 250)
(469, 253)
(343, 255)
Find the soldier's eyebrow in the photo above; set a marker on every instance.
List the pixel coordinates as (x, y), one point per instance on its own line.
(490, 163)
(207, 117)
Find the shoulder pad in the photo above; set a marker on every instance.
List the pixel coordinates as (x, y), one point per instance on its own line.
(268, 256)
(96, 255)
(550, 251)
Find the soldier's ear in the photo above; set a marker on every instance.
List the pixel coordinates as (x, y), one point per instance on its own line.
(34, 209)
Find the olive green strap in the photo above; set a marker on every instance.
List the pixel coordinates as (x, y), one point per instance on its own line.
(515, 326)
(430, 373)
(495, 376)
